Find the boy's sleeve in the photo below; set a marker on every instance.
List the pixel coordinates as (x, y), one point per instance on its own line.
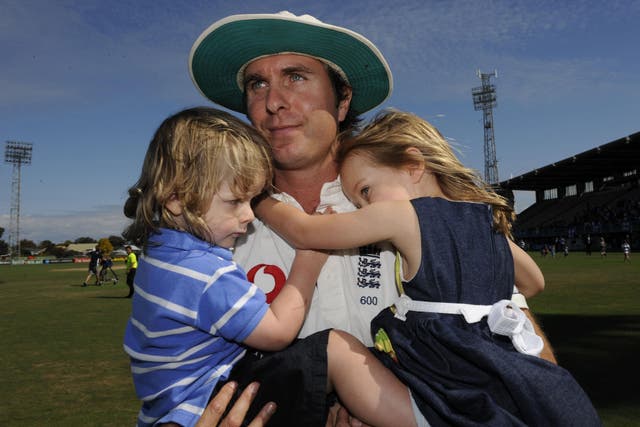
(232, 307)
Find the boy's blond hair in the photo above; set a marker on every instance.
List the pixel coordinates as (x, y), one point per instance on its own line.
(385, 141)
(191, 154)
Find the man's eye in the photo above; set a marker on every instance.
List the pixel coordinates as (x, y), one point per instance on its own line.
(254, 85)
(296, 77)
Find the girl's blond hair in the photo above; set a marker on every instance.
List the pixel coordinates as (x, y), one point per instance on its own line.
(191, 154)
(385, 141)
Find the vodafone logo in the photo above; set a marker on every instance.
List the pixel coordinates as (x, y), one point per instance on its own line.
(269, 278)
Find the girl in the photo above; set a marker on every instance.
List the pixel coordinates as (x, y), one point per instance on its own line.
(456, 266)
(195, 315)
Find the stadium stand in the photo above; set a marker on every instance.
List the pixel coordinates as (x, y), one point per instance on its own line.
(596, 192)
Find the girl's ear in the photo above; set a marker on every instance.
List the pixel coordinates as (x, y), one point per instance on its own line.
(173, 205)
(418, 168)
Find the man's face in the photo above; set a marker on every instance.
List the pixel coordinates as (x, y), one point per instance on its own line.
(290, 99)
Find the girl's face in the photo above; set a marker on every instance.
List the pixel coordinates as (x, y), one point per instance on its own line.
(228, 215)
(365, 182)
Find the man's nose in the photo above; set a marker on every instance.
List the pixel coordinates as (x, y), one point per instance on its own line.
(276, 99)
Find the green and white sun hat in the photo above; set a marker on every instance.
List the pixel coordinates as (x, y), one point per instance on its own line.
(222, 52)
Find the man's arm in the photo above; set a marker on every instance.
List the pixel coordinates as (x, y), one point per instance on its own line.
(547, 350)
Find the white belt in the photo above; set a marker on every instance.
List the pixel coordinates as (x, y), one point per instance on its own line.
(504, 318)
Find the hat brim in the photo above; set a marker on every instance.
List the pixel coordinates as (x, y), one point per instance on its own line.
(229, 44)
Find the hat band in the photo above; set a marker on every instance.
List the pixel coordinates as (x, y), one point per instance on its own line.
(333, 66)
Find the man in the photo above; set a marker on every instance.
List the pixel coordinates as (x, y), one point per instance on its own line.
(131, 263)
(94, 260)
(300, 103)
(301, 82)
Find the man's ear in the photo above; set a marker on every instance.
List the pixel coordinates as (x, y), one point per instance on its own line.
(418, 168)
(173, 205)
(343, 106)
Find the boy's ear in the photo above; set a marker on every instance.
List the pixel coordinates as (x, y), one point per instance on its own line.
(418, 168)
(173, 205)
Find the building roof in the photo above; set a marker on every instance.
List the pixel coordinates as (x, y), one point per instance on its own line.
(81, 247)
(605, 160)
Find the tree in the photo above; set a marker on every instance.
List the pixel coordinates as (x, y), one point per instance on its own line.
(4, 246)
(117, 241)
(105, 246)
(59, 251)
(27, 245)
(45, 244)
(85, 240)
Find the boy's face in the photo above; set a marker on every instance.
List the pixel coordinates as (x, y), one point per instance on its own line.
(229, 215)
(365, 182)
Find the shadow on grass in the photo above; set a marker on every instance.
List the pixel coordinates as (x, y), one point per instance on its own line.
(602, 354)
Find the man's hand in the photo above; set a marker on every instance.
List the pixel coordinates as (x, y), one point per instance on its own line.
(340, 417)
(216, 407)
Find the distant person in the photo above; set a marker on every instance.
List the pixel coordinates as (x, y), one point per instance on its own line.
(587, 244)
(196, 319)
(131, 263)
(106, 266)
(603, 247)
(94, 260)
(626, 251)
(454, 337)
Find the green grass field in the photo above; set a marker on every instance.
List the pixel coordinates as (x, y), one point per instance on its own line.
(62, 362)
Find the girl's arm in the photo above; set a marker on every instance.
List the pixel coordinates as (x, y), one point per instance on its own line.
(284, 318)
(373, 223)
(528, 277)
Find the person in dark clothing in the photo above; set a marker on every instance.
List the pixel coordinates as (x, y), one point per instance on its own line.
(94, 260)
(107, 266)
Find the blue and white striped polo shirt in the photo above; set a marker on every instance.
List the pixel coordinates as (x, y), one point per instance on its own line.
(192, 306)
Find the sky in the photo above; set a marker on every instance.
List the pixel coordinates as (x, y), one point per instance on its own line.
(88, 82)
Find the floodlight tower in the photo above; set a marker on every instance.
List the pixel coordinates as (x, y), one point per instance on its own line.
(17, 153)
(484, 98)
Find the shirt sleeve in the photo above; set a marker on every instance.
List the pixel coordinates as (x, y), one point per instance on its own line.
(232, 307)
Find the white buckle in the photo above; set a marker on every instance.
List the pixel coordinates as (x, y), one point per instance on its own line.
(506, 318)
(403, 306)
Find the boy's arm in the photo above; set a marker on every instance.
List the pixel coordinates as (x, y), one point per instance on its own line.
(283, 320)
